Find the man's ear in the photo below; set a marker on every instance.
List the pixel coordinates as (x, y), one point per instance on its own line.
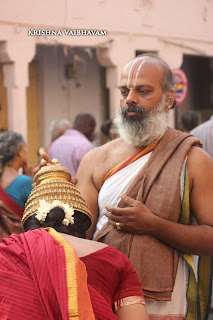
(170, 99)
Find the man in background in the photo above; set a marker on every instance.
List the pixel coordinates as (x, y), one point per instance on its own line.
(57, 129)
(108, 128)
(70, 148)
(205, 133)
(189, 120)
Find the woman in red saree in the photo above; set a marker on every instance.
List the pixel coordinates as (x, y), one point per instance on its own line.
(10, 216)
(14, 187)
(52, 272)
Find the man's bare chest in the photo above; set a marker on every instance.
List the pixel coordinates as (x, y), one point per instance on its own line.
(104, 165)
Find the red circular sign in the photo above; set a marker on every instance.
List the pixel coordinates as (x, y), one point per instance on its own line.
(181, 85)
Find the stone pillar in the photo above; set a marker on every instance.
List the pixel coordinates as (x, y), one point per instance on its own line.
(112, 82)
(16, 80)
(114, 57)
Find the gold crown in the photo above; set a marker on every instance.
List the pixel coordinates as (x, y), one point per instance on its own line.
(53, 183)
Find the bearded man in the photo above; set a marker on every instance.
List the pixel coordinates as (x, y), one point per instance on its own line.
(150, 192)
(145, 189)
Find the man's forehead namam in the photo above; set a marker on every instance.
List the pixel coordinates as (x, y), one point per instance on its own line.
(133, 69)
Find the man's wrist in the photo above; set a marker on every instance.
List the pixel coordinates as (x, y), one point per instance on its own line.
(153, 225)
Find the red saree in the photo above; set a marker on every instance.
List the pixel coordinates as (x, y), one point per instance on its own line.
(10, 215)
(42, 278)
(111, 274)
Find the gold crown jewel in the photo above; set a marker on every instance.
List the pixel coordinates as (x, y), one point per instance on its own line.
(54, 189)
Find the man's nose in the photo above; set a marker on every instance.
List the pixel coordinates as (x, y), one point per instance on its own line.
(132, 97)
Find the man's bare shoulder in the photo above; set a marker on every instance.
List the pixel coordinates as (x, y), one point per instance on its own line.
(99, 161)
(197, 155)
(199, 164)
(200, 172)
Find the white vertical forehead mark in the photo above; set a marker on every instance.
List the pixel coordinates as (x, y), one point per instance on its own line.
(142, 62)
(130, 71)
(137, 62)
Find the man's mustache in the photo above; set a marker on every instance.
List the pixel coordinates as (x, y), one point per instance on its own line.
(133, 108)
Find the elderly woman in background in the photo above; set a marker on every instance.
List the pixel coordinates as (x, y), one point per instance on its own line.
(52, 272)
(14, 187)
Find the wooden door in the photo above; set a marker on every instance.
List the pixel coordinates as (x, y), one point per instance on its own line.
(3, 103)
(33, 130)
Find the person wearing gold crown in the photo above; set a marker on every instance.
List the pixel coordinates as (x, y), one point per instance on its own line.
(52, 272)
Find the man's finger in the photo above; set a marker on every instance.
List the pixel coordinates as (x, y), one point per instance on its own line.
(46, 157)
(74, 180)
(131, 202)
(116, 211)
(113, 217)
(41, 164)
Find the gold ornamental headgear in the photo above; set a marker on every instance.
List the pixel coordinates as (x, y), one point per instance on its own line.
(54, 189)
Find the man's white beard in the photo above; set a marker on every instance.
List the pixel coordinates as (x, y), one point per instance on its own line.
(142, 131)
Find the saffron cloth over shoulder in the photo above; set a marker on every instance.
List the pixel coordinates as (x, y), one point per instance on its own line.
(138, 154)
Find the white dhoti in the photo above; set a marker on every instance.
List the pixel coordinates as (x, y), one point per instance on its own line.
(109, 194)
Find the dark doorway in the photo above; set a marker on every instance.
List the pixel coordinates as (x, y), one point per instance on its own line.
(199, 72)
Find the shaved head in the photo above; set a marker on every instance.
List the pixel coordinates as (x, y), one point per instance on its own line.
(134, 66)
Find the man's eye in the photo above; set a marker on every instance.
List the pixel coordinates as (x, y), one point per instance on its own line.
(143, 91)
(124, 92)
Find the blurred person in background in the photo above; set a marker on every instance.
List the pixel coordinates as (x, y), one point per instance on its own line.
(70, 148)
(14, 187)
(204, 132)
(189, 120)
(57, 129)
(108, 128)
